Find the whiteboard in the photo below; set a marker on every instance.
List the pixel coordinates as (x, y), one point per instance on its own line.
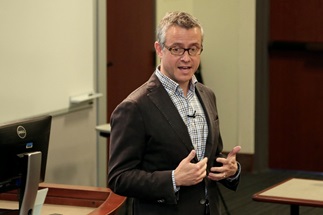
(47, 54)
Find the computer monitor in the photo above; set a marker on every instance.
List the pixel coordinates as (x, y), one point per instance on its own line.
(23, 158)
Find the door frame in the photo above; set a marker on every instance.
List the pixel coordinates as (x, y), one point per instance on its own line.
(262, 87)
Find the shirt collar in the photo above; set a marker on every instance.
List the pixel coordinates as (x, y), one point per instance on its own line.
(173, 86)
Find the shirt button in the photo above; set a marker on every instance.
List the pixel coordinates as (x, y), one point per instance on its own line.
(202, 201)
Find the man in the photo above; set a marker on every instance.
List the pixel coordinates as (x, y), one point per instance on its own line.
(165, 140)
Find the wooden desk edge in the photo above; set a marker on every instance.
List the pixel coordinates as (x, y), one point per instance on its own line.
(102, 199)
(110, 206)
(283, 200)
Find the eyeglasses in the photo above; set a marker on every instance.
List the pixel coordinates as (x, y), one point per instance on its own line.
(177, 51)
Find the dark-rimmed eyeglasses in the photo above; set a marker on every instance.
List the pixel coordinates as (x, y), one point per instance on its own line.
(177, 51)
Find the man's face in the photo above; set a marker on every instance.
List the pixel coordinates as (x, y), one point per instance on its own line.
(180, 68)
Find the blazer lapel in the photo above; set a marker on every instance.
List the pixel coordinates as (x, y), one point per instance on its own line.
(160, 98)
(208, 111)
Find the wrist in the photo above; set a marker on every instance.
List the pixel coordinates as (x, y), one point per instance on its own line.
(176, 188)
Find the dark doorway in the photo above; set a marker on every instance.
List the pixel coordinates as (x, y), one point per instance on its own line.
(130, 47)
(296, 85)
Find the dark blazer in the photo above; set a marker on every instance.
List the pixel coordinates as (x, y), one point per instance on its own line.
(148, 140)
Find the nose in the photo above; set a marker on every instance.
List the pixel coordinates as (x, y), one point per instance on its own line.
(186, 56)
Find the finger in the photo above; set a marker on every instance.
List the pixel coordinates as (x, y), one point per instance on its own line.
(216, 176)
(191, 155)
(217, 170)
(234, 151)
(221, 160)
(224, 175)
(204, 160)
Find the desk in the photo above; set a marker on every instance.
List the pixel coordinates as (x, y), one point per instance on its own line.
(295, 192)
(50, 208)
(71, 199)
(104, 130)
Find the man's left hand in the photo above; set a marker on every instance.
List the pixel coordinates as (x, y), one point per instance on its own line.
(229, 166)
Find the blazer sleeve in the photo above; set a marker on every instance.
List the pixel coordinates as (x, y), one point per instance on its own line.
(127, 146)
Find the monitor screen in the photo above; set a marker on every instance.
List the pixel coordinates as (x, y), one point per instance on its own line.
(21, 137)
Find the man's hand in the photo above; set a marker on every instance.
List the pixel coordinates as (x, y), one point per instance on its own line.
(229, 167)
(187, 173)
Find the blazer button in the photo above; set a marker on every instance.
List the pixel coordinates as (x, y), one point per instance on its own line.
(161, 200)
(202, 201)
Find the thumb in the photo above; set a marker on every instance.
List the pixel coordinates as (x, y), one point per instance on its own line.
(191, 155)
(234, 151)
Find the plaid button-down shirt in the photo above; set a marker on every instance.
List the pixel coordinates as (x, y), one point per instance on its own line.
(190, 109)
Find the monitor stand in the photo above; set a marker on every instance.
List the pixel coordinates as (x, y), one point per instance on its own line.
(30, 182)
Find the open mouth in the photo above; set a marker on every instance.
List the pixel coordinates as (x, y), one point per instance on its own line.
(184, 67)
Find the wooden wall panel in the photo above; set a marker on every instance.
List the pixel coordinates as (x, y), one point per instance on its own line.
(296, 116)
(296, 20)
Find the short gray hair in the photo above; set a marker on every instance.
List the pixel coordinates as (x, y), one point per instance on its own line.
(177, 18)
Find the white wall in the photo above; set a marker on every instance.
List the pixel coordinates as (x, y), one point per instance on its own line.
(75, 156)
(228, 62)
(72, 155)
(47, 55)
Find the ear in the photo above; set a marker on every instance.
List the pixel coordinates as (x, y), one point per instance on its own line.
(159, 49)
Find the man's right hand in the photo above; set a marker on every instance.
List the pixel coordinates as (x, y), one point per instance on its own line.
(187, 173)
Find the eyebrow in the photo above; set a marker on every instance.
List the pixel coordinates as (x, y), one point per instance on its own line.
(180, 44)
